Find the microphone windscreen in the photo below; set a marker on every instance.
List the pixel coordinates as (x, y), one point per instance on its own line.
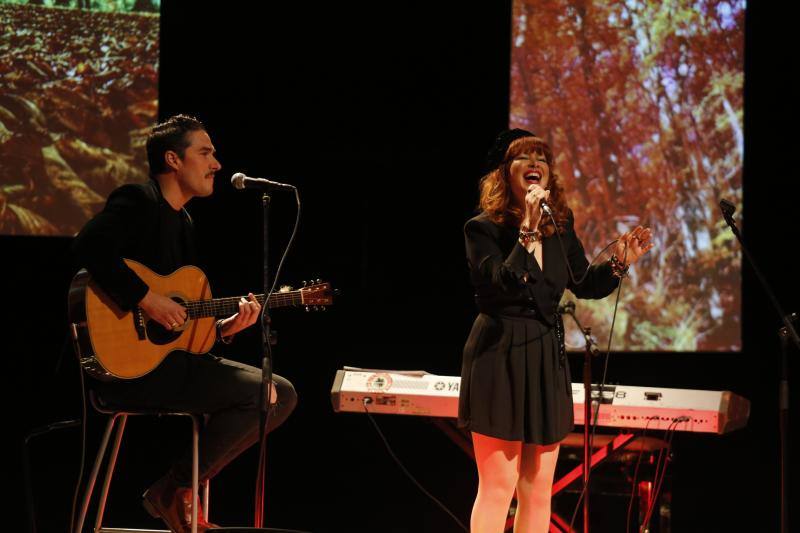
(237, 180)
(727, 208)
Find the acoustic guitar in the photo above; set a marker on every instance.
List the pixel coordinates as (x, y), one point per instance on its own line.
(115, 344)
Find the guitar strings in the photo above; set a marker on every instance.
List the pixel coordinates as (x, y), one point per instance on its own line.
(218, 306)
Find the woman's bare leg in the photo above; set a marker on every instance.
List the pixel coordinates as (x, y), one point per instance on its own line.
(535, 487)
(498, 463)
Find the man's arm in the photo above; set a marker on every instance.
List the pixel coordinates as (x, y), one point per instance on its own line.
(100, 245)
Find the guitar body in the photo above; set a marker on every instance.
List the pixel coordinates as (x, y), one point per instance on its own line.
(116, 344)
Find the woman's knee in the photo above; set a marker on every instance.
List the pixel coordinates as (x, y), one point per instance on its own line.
(497, 489)
(537, 468)
(503, 480)
(499, 480)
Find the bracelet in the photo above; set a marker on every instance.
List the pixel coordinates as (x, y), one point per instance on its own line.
(220, 336)
(529, 236)
(618, 268)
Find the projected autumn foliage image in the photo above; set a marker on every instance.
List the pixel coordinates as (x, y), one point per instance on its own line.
(642, 103)
(79, 93)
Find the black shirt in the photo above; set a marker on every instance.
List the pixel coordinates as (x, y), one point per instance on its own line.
(136, 223)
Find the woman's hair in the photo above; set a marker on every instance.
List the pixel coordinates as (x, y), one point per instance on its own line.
(496, 197)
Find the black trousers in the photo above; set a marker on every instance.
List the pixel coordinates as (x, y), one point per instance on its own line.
(224, 390)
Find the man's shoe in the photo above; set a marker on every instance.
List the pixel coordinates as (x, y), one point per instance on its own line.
(173, 504)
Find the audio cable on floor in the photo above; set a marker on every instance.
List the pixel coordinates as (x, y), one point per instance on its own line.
(367, 401)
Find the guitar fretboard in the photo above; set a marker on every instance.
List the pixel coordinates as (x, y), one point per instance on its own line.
(228, 306)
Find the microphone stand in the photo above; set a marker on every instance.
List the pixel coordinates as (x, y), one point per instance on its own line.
(785, 333)
(240, 181)
(266, 373)
(589, 351)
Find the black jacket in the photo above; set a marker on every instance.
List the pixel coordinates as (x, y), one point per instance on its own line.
(136, 223)
(498, 264)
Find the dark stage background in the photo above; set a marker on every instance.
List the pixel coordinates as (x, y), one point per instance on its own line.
(381, 114)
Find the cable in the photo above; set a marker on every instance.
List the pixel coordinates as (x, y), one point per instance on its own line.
(406, 472)
(658, 478)
(655, 483)
(566, 258)
(636, 473)
(656, 475)
(288, 246)
(593, 421)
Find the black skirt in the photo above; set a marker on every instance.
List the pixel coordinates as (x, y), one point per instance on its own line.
(515, 382)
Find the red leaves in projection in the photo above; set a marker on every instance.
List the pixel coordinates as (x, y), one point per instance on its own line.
(643, 102)
(80, 90)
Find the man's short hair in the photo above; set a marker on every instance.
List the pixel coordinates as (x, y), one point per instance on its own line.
(169, 135)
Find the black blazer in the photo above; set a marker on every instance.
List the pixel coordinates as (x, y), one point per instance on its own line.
(136, 223)
(498, 264)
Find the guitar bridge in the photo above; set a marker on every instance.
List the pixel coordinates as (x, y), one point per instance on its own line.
(138, 324)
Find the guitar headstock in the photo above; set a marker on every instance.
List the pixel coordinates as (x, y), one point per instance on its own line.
(316, 294)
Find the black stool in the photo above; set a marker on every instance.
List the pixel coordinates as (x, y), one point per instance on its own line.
(122, 414)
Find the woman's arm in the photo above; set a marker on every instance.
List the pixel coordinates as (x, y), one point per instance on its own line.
(488, 264)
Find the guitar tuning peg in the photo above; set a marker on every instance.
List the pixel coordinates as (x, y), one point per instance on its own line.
(307, 309)
(304, 283)
(319, 281)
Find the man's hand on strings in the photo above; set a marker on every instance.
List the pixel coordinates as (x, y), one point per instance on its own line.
(249, 311)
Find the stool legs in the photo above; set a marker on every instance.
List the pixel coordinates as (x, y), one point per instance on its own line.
(112, 463)
(195, 470)
(93, 476)
(206, 498)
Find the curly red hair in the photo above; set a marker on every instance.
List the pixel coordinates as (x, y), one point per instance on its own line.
(495, 191)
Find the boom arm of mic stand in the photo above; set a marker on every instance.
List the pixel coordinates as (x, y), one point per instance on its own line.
(786, 318)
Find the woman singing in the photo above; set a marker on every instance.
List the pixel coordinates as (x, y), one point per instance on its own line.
(516, 396)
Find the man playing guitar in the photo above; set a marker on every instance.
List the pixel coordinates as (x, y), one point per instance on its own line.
(147, 223)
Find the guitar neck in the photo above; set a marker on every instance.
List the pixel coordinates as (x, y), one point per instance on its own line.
(229, 306)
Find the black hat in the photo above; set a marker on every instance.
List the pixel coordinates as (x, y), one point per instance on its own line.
(498, 150)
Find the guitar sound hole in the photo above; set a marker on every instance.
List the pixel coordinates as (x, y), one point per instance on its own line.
(158, 334)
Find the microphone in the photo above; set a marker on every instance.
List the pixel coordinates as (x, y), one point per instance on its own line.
(546, 209)
(728, 209)
(567, 308)
(240, 181)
